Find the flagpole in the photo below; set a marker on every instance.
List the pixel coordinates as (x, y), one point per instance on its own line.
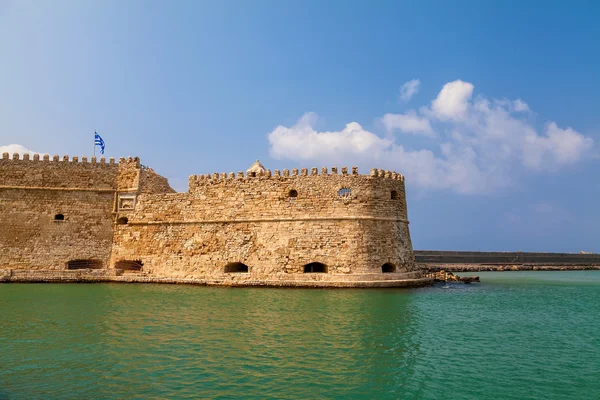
(94, 143)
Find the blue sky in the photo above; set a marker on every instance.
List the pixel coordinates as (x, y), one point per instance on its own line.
(490, 109)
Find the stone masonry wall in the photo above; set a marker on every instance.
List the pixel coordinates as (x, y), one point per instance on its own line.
(57, 172)
(151, 182)
(30, 237)
(35, 190)
(275, 224)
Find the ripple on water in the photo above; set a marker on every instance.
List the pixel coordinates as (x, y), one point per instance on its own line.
(511, 337)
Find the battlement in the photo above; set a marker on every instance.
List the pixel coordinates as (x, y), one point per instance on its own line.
(66, 158)
(196, 181)
(79, 173)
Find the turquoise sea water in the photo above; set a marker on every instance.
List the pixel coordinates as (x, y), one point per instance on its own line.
(517, 335)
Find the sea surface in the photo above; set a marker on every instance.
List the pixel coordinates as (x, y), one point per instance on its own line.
(517, 335)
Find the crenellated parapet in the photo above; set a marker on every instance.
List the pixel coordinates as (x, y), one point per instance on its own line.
(65, 158)
(195, 181)
(79, 173)
(297, 193)
(135, 161)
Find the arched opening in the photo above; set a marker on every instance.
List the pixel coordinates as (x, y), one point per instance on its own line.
(293, 193)
(236, 267)
(394, 195)
(129, 265)
(315, 267)
(59, 217)
(388, 267)
(123, 221)
(84, 264)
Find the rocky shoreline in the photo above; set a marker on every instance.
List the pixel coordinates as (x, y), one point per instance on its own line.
(445, 276)
(445, 272)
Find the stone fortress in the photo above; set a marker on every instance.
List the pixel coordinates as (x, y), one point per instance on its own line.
(92, 220)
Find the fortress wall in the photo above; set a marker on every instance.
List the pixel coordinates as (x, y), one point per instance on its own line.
(57, 172)
(275, 223)
(254, 220)
(30, 237)
(204, 249)
(269, 197)
(128, 179)
(132, 177)
(388, 242)
(34, 190)
(151, 182)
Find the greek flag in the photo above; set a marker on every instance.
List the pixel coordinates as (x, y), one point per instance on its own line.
(99, 142)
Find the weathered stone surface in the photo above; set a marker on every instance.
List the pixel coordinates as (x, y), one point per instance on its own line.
(274, 224)
(445, 276)
(33, 193)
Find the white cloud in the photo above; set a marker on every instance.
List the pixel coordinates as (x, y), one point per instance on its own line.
(483, 144)
(453, 100)
(564, 145)
(520, 106)
(302, 142)
(408, 123)
(409, 89)
(16, 148)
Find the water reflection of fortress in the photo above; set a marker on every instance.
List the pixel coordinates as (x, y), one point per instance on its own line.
(123, 222)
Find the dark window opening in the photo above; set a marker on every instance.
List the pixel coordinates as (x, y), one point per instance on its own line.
(84, 264)
(129, 265)
(236, 267)
(123, 221)
(293, 193)
(394, 195)
(315, 267)
(388, 267)
(344, 192)
(59, 217)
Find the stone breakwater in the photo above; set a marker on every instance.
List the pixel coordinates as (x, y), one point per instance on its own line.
(483, 267)
(437, 257)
